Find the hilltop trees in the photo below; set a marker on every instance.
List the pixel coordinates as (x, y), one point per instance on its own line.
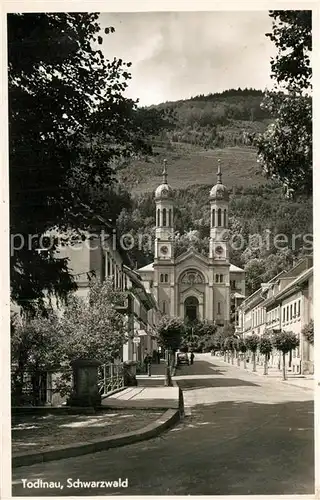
(285, 149)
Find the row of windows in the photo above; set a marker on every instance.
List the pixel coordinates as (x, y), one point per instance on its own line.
(291, 311)
(219, 218)
(164, 217)
(164, 278)
(258, 317)
(111, 270)
(273, 315)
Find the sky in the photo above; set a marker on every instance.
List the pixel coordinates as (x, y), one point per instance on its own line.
(176, 55)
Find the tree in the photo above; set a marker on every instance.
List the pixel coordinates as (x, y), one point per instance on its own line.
(87, 328)
(285, 342)
(292, 35)
(265, 347)
(243, 349)
(237, 347)
(68, 123)
(170, 331)
(228, 345)
(285, 149)
(252, 343)
(35, 349)
(92, 327)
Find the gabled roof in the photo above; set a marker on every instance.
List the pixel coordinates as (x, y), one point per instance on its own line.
(147, 268)
(235, 269)
(191, 252)
(291, 287)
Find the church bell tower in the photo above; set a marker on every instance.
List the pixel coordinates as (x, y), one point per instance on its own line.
(219, 207)
(164, 219)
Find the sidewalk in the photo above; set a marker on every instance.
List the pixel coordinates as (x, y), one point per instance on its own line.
(144, 398)
(304, 382)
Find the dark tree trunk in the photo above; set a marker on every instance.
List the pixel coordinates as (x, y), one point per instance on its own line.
(265, 371)
(168, 379)
(284, 366)
(254, 362)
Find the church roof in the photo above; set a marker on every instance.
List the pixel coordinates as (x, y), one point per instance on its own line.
(148, 267)
(235, 269)
(164, 191)
(232, 269)
(219, 191)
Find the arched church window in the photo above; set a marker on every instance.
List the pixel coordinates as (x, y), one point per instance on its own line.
(219, 217)
(164, 215)
(213, 217)
(161, 278)
(219, 307)
(221, 278)
(158, 217)
(170, 217)
(217, 278)
(225, 218)
(166, 278)
(164, 307)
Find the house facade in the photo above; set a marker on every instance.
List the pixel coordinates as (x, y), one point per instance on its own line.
(285, 303)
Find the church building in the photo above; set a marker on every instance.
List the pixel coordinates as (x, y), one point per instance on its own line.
(192, 285)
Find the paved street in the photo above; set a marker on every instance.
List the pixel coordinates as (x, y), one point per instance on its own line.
(244, 435)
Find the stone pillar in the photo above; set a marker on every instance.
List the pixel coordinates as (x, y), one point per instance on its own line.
(129, 373)
(85, 383)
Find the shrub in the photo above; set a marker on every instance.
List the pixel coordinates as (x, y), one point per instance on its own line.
(308, 332)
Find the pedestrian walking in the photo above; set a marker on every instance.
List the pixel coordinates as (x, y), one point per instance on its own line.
(146, 361)
(191, 358)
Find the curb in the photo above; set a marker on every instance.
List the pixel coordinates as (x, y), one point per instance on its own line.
(168, 419)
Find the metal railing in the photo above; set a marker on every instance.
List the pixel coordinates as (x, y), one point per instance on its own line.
(111, 378)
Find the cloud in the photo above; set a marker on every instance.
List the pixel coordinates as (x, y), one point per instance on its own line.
(176, 55)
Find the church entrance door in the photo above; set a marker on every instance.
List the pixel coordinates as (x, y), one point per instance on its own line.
(191, 308)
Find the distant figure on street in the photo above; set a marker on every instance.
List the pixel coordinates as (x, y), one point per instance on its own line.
(147, 361)
(191, 358)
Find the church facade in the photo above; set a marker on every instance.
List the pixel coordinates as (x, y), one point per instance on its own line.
(193, 286)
